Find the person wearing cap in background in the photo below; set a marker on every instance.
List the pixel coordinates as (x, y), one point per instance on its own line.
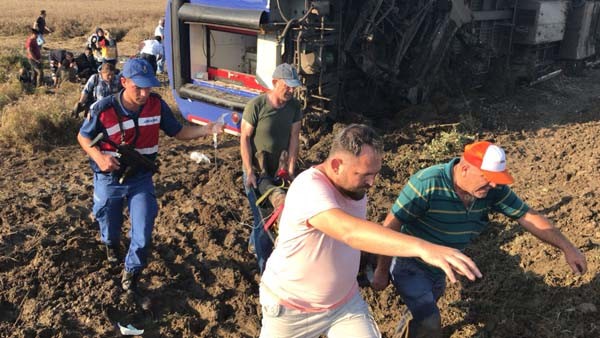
(270, 127)
(133, 116)
(448, 204)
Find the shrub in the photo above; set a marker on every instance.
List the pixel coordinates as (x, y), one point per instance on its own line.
(446, 145)
(35, 123)
(10, 91)
(69, 28)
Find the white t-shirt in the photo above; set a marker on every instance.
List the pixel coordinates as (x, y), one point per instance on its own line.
(159, 31)
(152, 47)
(309, 270)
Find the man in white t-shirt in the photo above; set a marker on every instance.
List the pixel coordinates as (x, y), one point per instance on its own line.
(152, 51)
(160, 31)
(309, 285)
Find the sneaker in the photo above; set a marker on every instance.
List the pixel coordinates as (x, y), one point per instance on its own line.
(112, 254)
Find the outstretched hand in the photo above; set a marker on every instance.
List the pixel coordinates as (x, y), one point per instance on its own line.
(576, 260)
(214, 128)
(451, 261)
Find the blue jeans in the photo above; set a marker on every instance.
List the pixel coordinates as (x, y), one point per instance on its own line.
(259, 239)
(419, 288)
(160, 65)
(109, 201)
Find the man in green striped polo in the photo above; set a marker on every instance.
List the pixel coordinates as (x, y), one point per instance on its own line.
(448, 204)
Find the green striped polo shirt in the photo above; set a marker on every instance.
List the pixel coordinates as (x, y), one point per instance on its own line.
(429, 208)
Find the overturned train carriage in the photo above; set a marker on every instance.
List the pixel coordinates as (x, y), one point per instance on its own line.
(362, 54)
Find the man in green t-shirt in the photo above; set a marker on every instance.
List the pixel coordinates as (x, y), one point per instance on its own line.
(269, 148)
(448, 205)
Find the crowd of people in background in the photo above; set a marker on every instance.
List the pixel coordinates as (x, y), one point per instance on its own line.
(95, 67)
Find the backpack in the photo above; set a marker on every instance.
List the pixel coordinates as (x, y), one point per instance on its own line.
(92, 98)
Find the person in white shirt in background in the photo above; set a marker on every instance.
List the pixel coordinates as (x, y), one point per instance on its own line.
(160, 31)
(152, 51)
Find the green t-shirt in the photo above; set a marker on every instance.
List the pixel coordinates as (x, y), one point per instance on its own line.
(272, 128)
(429, 208)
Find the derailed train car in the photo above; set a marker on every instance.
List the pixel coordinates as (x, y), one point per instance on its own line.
(361, 55)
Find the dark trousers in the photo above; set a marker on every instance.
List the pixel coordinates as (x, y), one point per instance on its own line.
(37, 73)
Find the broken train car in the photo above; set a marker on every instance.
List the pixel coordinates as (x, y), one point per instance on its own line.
(358, 54)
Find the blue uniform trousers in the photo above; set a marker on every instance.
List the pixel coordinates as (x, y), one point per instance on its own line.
(259, 239)
(109, 201)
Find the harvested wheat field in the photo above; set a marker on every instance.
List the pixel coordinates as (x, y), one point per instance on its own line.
(202, 281)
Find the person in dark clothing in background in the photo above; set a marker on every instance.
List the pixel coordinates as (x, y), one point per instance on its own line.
(61, 61)
(40, 26)
(86, 64)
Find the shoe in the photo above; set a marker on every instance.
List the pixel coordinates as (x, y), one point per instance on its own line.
(129, 281)
(112, 254)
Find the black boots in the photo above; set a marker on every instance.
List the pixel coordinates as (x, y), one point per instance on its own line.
(129, 283)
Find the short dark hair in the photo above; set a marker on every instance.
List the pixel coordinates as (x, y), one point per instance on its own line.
(34, 31)
(354, 137)
(158, 38)
(107, 67)
(43, 11)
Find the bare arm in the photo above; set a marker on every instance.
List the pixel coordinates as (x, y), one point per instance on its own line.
(194, 132)
(381, 274)
(247, 131)
(538, 225)
(371, 237)
(293, 147)
(105, 162)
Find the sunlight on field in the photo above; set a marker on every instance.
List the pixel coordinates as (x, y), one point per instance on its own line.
(72, 22)
(79, 18)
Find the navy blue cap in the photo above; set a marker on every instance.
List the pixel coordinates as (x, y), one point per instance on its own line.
(141, 72)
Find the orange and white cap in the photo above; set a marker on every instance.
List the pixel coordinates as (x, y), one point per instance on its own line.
(490, 159)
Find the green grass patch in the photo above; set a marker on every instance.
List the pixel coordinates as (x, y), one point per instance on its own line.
(446, 145)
